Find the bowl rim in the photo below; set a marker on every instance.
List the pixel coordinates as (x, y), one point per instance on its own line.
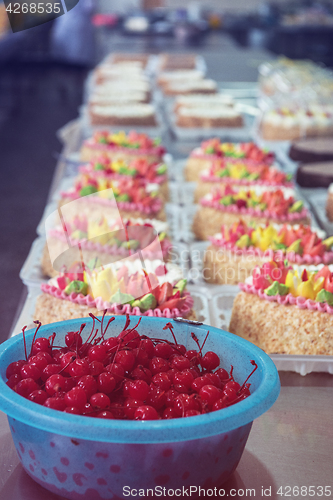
(152, 431)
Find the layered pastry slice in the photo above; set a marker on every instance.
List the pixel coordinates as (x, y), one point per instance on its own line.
(203, 100)
(107, 241)
(204, 86)
(126, 115)
(137, 168)
(122, 146)
(237, 250)
(218, 116)
(286, 310)
(214, 150)
(109, 92)
(240, 173)
(226, 204)
(167, 78)
(158, 290)
(125, 72)
(125, 197)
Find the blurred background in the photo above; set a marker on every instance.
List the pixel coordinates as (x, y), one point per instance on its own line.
(44, 65)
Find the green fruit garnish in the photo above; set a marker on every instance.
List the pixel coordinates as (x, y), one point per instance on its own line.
(86, 190)
(276, 288)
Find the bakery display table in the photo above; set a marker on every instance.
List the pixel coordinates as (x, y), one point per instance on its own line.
(289, 447)
(288, 453)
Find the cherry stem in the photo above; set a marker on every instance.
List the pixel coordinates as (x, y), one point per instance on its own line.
(195, 338)
(52, 339)
(104, 313)
(106, 328)
(254, 369)
(127, 323)
(69, 362)
(170, 327)
(39, 324)
(25, 345)
(200, 351)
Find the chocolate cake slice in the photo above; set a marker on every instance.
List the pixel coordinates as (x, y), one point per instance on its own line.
(314, 149)
(319, 174)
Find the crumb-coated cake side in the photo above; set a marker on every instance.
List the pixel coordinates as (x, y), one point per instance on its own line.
(283, 329)
(50, 309)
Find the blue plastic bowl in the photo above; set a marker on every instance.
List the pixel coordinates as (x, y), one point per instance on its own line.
(87, 458)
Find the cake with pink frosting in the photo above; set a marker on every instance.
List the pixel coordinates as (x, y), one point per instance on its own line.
(158, 290)
(105, 240)
(235, 251)
(227, 204)
(222, 154)
(125, 197)
(286, 310)
(122, 146)
(138, 168)
(240, 173)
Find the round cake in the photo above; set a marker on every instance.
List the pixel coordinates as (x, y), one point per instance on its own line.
(315, 149)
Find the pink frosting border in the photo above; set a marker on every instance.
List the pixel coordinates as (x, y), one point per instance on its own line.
(96, 174)
(300, 302)
(253, 211)
(155, 206)
(100, 304)
(166, 245)
(242, 182)
(155, 150)
(231, 159)
(293, 257)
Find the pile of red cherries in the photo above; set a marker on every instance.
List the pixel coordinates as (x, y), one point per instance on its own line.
(127, 377)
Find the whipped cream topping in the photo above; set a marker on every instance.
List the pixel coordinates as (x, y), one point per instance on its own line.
(120, 97)
(213, 112)
(132, 110)
(203, 100)
(188, 74)
(193, 85)
(120, 86)
(312, 115)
